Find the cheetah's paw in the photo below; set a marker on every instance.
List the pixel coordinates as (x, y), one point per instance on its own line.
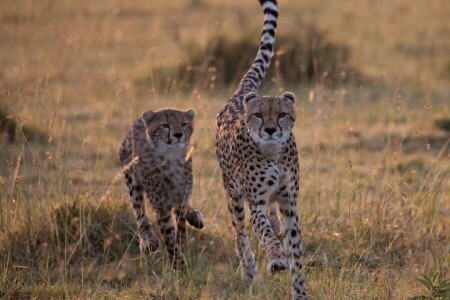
(277, 265)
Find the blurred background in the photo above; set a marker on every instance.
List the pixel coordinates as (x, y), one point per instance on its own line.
(372, 79)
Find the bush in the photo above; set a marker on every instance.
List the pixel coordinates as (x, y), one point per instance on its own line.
(307, 58)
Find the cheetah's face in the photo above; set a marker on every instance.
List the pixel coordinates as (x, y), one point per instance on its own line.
(170, 127)
(269, 119)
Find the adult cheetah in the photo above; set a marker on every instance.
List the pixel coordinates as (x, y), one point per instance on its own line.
(154, 152)
(258, 157)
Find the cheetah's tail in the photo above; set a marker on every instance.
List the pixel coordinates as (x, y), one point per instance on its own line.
(252, 79)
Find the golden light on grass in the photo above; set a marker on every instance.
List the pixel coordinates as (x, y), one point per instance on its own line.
(374, 149)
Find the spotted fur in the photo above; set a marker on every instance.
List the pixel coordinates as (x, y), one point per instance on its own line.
(159, 142)
(259, 161)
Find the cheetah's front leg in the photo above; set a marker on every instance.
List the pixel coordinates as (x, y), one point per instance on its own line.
(274, 220)
(277, 260)
(292, 243)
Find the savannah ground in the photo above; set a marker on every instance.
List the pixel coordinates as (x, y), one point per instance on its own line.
(372, 134)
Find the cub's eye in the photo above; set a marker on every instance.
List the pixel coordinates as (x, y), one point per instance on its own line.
(259, 116)
(184, 124)
(165, 126)
(282, 115)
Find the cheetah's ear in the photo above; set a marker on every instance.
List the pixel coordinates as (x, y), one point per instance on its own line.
(250, 96)
(148, 116)
(191, 113)
(289, 97)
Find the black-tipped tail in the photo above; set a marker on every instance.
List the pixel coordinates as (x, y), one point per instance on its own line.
(254, 76)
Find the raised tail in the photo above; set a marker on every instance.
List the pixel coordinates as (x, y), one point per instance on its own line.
(252, 79)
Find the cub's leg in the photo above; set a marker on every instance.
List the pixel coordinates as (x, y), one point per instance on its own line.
(166, 226)
(147, 238)
(244, 250)
(277, 260)
(189, 214)
(180, 217)
(293, 245)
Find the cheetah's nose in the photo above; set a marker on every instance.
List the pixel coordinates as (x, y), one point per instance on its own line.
(178, 134)
(270, 130)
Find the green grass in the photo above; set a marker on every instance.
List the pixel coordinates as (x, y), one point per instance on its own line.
(375, 175)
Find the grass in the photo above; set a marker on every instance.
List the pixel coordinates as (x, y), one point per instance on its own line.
(375, 177)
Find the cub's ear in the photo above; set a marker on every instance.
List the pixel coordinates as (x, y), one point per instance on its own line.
(148, 116)
(289, 97)
(191, 113)
(250, 97)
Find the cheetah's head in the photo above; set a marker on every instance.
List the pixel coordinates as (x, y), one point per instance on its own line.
(269, 119)
(169, 127)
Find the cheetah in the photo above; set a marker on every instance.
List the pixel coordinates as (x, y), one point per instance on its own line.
(259, 161)
(155, 155)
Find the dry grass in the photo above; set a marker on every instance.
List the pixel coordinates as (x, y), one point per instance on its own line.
(375, 191)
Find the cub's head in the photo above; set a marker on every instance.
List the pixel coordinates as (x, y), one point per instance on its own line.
(169, 126)
(269, 119)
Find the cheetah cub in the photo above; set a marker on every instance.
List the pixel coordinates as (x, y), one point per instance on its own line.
(258, 157)
(155, 152)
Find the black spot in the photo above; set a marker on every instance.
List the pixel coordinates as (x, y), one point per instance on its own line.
(293, 233)
(260, 202)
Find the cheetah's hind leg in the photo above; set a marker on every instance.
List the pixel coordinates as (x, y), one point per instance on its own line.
(148, 241)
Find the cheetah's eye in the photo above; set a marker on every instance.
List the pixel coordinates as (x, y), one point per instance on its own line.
(184, 124)
(165, 126)
(282, 115)
(259, 115)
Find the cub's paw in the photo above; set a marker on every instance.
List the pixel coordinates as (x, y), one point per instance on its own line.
(195, 218)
